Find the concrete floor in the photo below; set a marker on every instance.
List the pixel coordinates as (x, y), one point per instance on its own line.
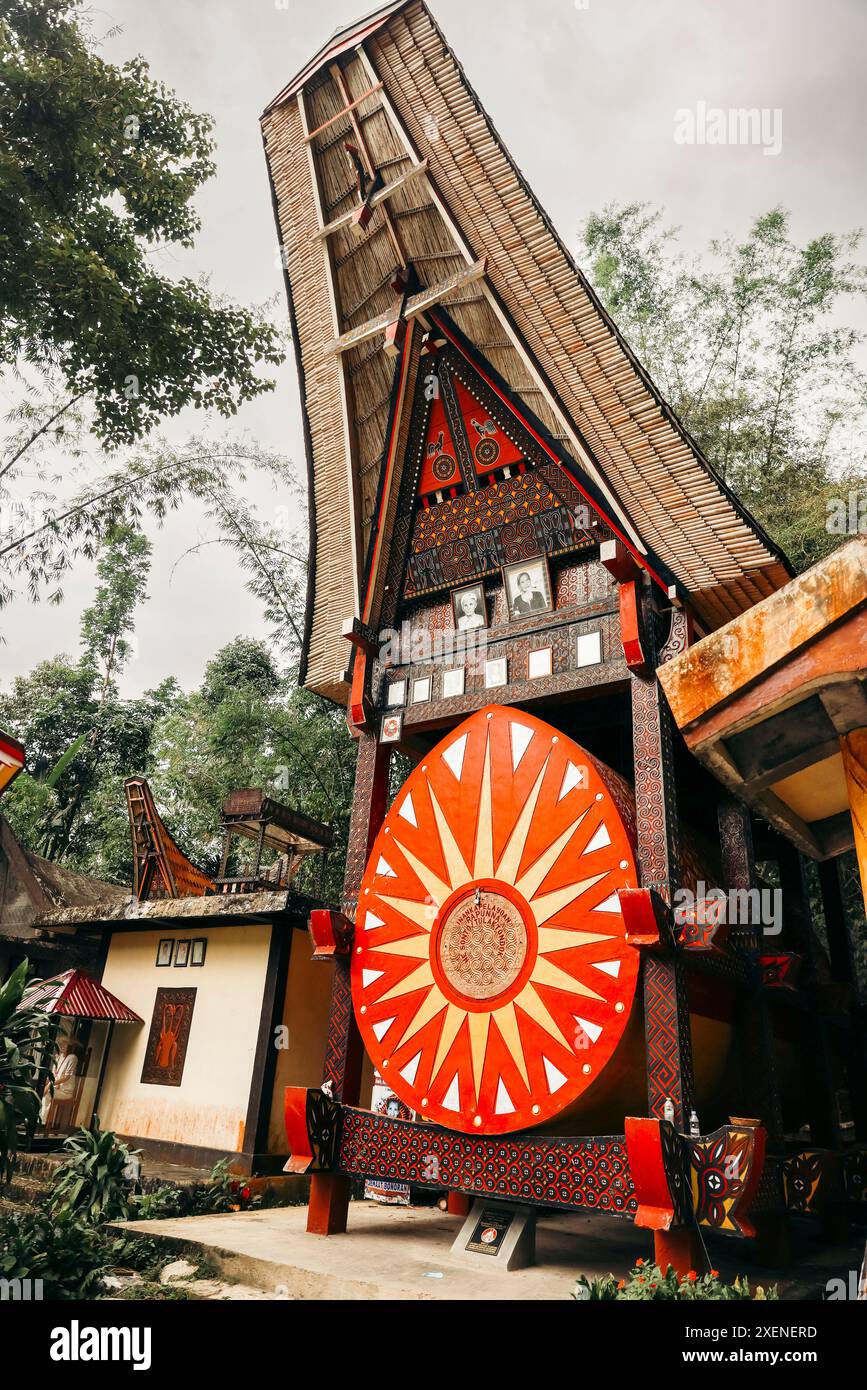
(403, 1253)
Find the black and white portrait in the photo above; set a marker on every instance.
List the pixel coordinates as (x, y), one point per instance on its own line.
(469, 606)
(528, 588)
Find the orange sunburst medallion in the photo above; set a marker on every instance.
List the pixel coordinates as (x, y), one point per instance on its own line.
(491, 976)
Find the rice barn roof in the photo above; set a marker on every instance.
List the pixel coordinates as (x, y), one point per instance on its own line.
(397, 203)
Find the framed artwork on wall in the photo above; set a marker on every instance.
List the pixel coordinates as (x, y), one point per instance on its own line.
(469, 608)
(391, 729)
(168, 1038)
(198, 948)
(164, 951)
(528, 588)
(182, 951)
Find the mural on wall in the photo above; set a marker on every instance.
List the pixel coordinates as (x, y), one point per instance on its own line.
(168, 1038)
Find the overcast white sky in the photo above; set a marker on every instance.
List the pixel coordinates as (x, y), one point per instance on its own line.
(584, 97)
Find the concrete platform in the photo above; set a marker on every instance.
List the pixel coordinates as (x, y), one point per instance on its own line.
(403, 1253)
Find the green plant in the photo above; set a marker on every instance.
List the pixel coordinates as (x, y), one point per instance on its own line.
(139, 1253)
(646, 1283)
(222, 1192)
(63, 1251)
(159, 1205)
(91, 1181)
(25, 1043)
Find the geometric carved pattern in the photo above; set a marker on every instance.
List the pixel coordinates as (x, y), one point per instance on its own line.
(668, 1043)
(323, 1127)
(725, 1168)
(812, 1179)
(491, 975)
(590, 1174)
(667, 1040)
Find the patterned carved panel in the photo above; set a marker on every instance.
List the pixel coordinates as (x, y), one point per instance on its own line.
(475, 534)
(725, 1169)
(588, 1174)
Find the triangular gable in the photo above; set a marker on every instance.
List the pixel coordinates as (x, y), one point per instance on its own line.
(489, 443)
(439, 470)
(460, 521)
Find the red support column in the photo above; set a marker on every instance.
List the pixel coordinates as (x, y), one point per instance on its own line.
(681, 1248)
(344, 1052)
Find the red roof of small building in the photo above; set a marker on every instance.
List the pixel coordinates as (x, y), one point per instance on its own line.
(76, 995)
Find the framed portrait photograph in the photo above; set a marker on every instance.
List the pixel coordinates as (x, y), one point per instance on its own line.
(164, 950)
(182, 951)
(528, 588)
(469, 607)
(198, 949)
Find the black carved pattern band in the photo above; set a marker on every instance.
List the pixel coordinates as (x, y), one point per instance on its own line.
(590, 1174)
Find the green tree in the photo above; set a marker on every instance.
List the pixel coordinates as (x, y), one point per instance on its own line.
(749, 346)
(98, 164)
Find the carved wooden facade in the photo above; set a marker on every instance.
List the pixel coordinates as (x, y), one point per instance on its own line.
(510, 532)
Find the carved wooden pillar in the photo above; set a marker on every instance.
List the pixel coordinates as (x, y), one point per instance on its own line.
(666, 1008)
(344, 1052)
(816, 1060)
(757, 1049)
(838, 928)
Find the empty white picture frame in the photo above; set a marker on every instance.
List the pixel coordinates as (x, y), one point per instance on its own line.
(421, 690)
(453, 683)
(589, 648)
(496, 673)
(540, 663)
(396, 694)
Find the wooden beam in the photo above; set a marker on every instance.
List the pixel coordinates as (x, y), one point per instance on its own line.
(853, 747)
(375, 200)
(339, 81)
(377, 87)
(416, 304)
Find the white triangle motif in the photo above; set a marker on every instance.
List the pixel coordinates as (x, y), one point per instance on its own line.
(371, 920)
(503, 1104)
(600, 839)
(409, 1071)
(553, 1075)
(593, 1030)
(407, 810)
(380, 1029)
(452, 1100)
(454, 756)
(368, 976)
(611, 967)
(521, 738)
(572, 777)
(611, 904)
(385, 869)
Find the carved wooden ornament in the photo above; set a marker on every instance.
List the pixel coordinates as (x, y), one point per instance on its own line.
(491, 975)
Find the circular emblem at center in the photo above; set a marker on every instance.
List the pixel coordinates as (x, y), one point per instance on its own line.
(482, 944)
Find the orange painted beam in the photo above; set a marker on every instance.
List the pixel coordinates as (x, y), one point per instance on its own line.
(853, 748)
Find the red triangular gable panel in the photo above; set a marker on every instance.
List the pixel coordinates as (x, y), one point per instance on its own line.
(491, 447)
(440, 464)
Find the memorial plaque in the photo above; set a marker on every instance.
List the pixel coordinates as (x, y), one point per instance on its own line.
(490, 1231)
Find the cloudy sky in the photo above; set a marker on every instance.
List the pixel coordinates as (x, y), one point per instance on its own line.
(584, 92)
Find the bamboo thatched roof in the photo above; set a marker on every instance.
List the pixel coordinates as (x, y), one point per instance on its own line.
(454, 207)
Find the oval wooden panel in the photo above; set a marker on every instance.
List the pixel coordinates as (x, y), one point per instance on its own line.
(491, 977)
